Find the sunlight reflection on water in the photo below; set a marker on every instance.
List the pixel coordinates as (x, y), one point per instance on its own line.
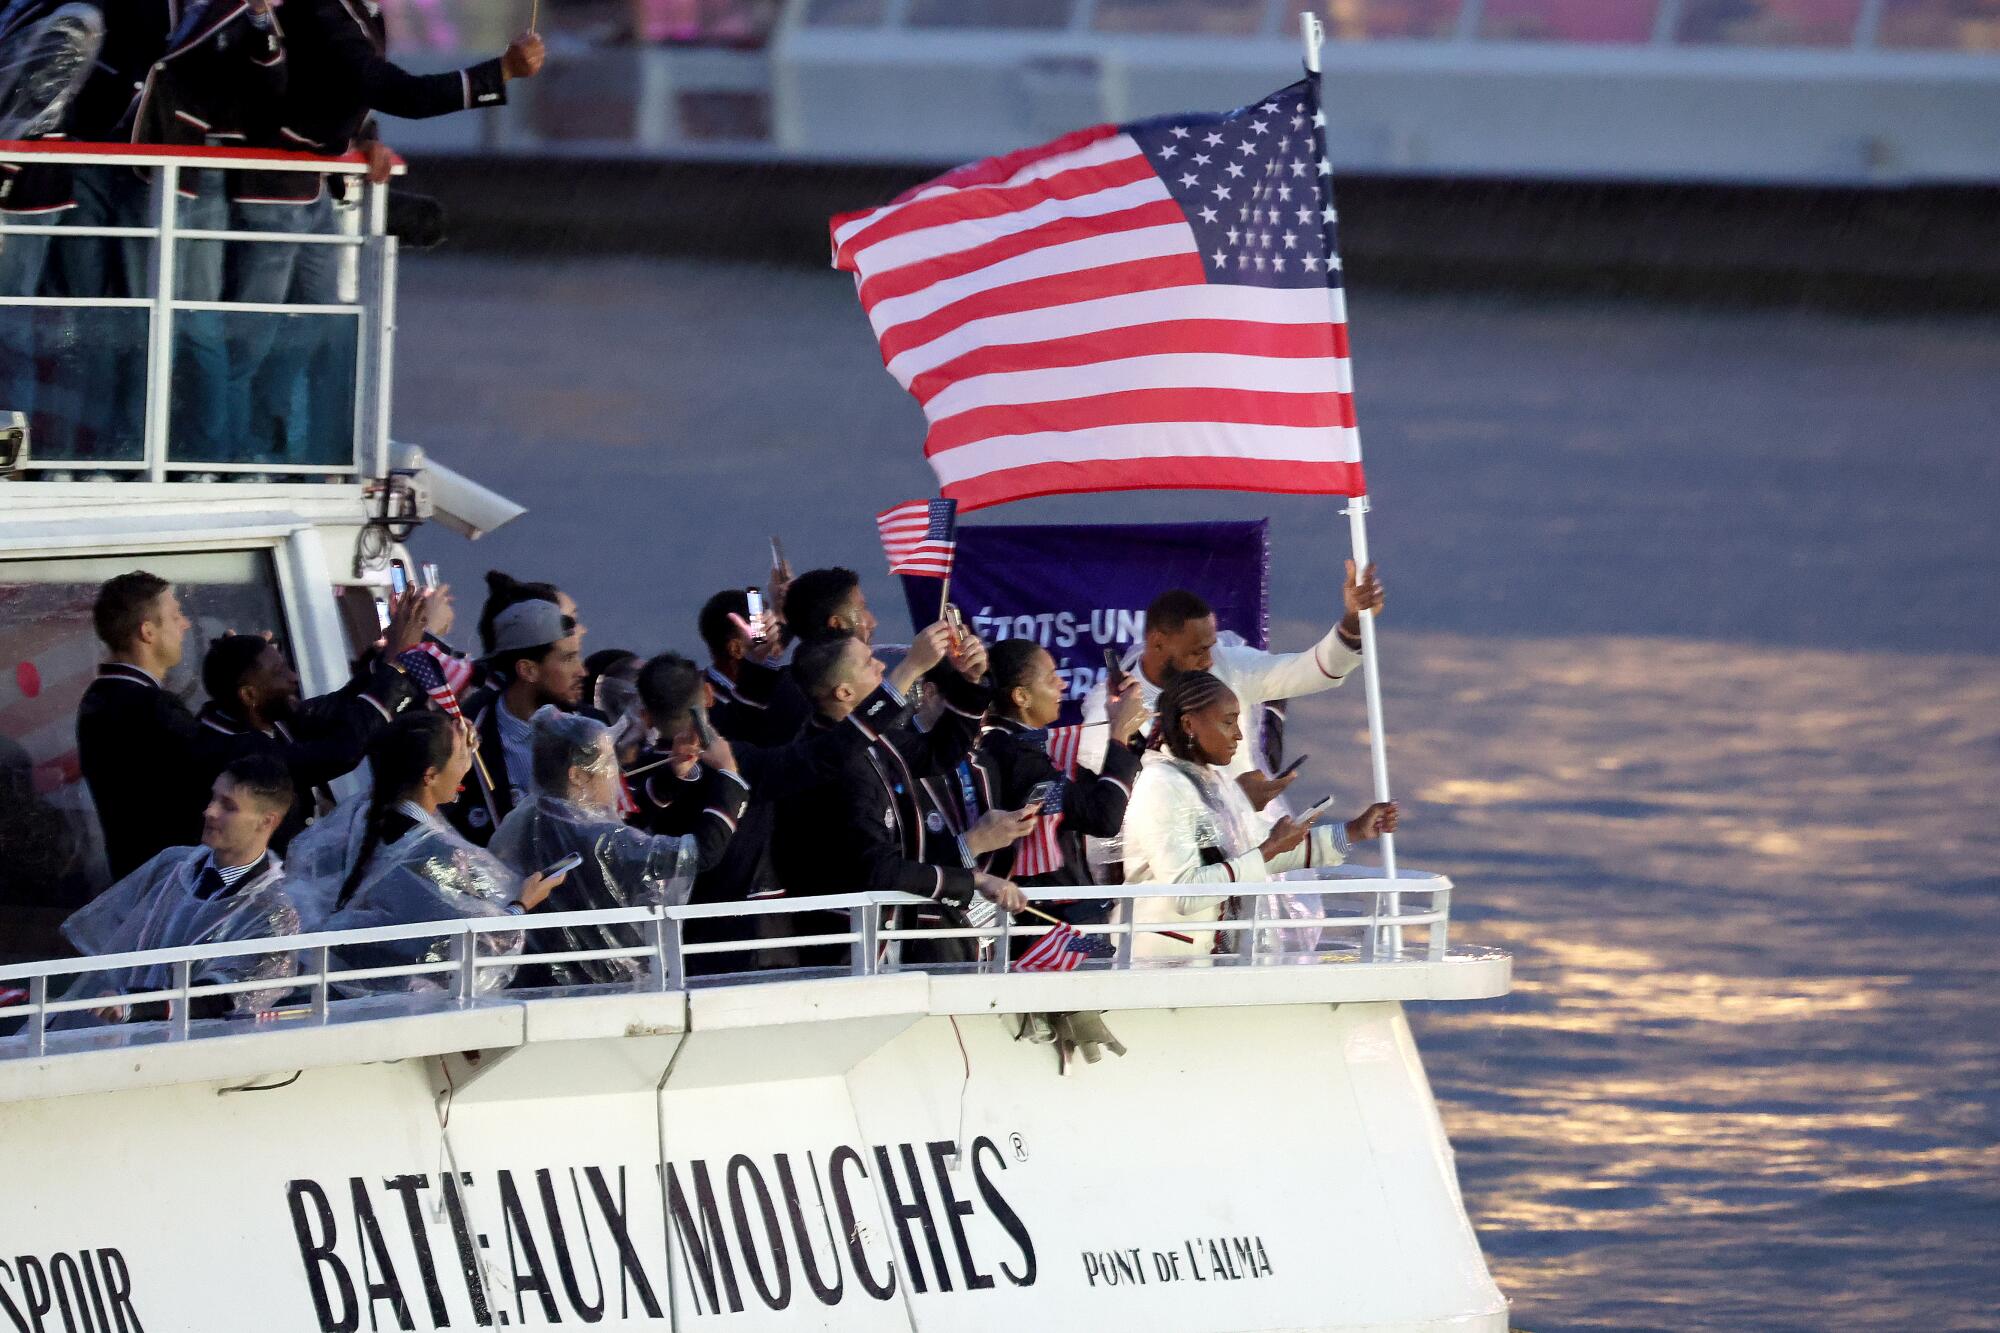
(1746, 1076)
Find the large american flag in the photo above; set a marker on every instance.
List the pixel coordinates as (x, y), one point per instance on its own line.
(1130, 307)
(918, 537)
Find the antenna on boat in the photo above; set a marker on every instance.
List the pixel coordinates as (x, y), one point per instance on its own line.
(1314, 36)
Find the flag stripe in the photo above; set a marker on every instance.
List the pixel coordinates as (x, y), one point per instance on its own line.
(1144, 408)
(1228, 443)
(1149, 474)
(1282, 307)
(1236, 337)
(1176, 270)
(1172, 371)
(1072, 259)
(960, 221)
(1159, 212)
(899, 253)
(1007, 169)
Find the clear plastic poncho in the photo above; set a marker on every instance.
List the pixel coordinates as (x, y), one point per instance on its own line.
(47, 51)
(428, 874)
(622, 866)
(156, 907)
(1226, 822)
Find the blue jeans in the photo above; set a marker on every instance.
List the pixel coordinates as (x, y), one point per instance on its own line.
(198, 425)
(30, 336)
(278, 411)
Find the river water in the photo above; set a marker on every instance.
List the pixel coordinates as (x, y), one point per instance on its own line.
(1693, 684)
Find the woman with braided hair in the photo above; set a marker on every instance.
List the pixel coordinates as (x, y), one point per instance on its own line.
(1189, 824)
(390, 859)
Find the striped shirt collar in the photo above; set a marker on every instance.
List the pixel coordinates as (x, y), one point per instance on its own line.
(418, 813)
(233, 875)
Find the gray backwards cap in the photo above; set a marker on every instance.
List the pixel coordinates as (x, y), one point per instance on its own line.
(529, 625)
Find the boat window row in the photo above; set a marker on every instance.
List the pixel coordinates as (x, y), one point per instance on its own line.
(1914, 25)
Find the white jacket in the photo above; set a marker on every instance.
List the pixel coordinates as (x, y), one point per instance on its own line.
(1254, 675)
(1168, 824)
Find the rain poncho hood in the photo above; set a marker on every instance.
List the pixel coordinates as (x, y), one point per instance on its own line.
(622, 867)
(430, 873)
(157, 907)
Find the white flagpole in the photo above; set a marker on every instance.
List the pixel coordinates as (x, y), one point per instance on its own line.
(1313, 36)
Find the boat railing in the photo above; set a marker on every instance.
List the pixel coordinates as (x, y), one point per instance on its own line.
(1360, 920)
(132, 359)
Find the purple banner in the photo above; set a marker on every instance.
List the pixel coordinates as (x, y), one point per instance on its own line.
(1079, 590)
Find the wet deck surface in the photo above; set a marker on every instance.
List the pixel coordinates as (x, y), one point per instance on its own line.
(1693, 683)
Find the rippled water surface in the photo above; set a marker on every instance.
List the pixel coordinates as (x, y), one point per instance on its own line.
(1693, 661)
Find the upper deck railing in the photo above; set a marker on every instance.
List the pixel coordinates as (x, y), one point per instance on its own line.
(1361, 921)
(179, 320)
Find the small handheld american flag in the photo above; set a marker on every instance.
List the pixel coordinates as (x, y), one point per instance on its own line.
(431, 669)
(920, 537)
(1061, 950)
(1039, 853)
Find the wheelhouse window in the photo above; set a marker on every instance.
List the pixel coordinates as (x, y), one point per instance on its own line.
(51, 851)
(1377, 20)
(1214, 18)
(1820, 23)
(1599, 21)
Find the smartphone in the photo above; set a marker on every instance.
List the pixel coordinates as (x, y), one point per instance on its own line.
(704, 732)
(381, 611)
(756, 617)
(1292, 767)
(1039, 794)
(399, 578)
(564, 866)
(1313, 811)
(430, 575)
(777, 554)
(1114, 674)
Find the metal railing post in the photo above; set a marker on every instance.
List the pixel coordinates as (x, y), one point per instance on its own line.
(463, 953)
(160, 327)
(38, 1021)
(321, 985)
(1440, 929)
(375, 336)
(1128, 936)
(669, 965)
(862, 920)
(1256, 950)
(1003, 948)
(183, 974)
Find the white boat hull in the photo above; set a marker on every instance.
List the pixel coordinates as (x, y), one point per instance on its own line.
(829, 1164)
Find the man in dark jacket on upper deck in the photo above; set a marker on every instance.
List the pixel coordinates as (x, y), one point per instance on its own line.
(340, 75)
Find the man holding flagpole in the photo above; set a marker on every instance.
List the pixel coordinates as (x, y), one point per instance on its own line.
(1180, 636)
